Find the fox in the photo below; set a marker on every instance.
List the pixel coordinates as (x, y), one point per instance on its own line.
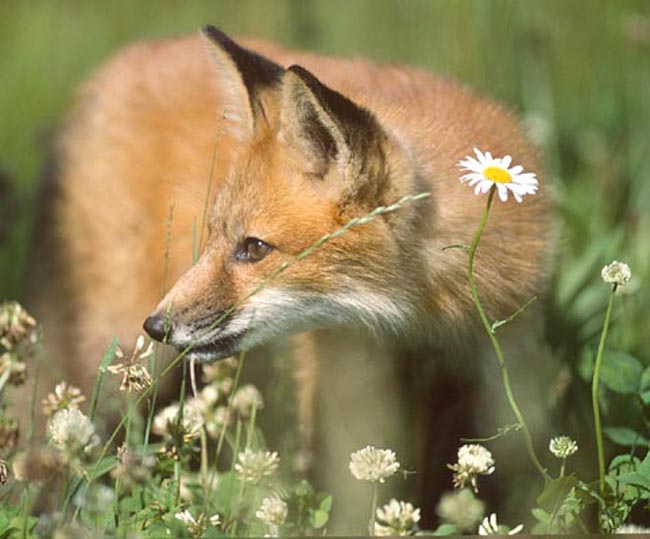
(295, 146)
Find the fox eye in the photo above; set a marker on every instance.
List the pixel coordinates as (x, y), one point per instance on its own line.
(253, 250)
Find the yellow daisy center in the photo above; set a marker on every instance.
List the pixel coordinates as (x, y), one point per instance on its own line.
(497, 175)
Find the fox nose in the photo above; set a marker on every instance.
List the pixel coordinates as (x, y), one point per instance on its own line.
(156, 328)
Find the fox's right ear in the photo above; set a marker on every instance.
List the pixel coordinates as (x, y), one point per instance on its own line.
(330, 129)
(244, 77)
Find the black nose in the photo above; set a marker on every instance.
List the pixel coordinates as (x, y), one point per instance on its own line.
(157, 327)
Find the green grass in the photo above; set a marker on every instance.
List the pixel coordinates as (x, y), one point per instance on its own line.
(580, 69)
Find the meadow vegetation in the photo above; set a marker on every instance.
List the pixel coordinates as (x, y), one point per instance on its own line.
(579, 77)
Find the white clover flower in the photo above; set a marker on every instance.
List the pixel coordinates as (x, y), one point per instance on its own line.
(461, 508)
(64, 396)
(632, 528)
(135, 376)
(216, 420)
(245, 399)
(486, 172)
(371, 464)
(477, 457)
(397, 518)
(273, 511)
(209, 395)
(192, 419)
(562, 446)
(94, 499)
(16, 324)
(473, 459)
(489, 526)
(617, 273)
(185, 517)
(220, 371)
(72, 432)
(255, 466)
(197, 526)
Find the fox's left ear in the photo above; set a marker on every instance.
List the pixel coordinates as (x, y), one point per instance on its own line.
(329, 128)
(244, 77)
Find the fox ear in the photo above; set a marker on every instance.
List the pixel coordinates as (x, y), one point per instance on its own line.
(327, 126)
(244, 76)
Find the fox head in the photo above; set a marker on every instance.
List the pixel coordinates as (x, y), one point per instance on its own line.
(308, 161)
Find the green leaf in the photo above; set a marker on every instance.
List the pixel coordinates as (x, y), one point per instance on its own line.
(644, 391)
(226, 495)
(645, 380)
(555, 492)
(541, 515)
(318, 518)
(621, 372)
(636, 479)
(109, 355)
(625, 436)
(326, 504)
(626, 460)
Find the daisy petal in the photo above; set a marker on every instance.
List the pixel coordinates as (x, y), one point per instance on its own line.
(513, 180)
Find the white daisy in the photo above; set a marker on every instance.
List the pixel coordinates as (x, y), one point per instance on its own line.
(490, 526)
(486, 172)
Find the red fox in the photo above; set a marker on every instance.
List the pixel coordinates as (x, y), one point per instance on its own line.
(304, 143)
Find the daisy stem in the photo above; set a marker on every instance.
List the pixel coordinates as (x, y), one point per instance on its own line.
(594, 393)
(373, 509)
(495, 343)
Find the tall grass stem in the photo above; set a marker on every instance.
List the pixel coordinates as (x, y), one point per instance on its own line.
(594, 393)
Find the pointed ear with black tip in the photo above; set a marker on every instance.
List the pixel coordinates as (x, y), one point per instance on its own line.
(329, 128)
(244, 76)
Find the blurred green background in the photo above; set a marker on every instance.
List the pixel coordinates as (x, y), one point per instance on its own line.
(577, 71)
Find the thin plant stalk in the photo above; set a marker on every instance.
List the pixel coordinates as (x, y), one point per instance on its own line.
(205, 482)
(373, 510)
(222, 434)
(235, 448)
(251, 427)
(127, 439)
(179, 418)
(32, 401)
(152, 360)
(495, 342)
(206, 202)
(594, 393)
(240, 498)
